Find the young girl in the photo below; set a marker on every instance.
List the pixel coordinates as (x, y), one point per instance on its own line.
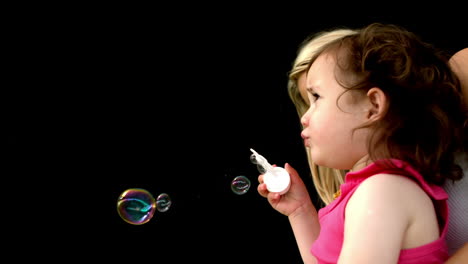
(327, 181)
(387, 107)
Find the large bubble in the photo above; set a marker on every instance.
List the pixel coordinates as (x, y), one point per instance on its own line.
(136, 206)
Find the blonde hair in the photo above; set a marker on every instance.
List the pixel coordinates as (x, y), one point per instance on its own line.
(327, 181)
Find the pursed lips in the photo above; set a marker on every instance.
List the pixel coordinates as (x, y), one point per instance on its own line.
(306, 139)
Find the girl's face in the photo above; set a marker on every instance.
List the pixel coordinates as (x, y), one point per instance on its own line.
(328, 123)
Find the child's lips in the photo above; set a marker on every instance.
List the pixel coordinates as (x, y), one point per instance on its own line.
(306, 139)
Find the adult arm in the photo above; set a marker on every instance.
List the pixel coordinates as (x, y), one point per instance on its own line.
(459, 64)
(460, 256)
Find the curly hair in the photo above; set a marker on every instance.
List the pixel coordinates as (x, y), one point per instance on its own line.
(425, 123)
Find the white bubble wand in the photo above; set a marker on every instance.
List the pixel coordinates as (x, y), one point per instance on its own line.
(277, 179)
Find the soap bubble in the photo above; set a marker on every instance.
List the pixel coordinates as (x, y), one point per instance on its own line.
(163, 202)
(136, 206)
(240, 185)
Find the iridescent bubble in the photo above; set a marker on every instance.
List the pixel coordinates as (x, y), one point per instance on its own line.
(163, 202)
(240, 185)
(136, 206)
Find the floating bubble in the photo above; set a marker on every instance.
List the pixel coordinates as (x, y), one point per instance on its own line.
(240, 185)
(136, 206)
(163, 202)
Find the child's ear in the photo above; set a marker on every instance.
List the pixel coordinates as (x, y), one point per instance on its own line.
(378, 104)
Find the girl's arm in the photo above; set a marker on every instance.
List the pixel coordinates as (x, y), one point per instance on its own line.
(305, 225)
(385, 214)
(304, 219)
(297, 205)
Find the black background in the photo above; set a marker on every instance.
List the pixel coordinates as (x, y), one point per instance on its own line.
(101, 99)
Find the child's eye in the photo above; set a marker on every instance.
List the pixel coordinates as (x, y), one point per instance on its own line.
(315, 96)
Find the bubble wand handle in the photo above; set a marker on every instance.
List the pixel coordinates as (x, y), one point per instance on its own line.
(277, 179)
(262, 161)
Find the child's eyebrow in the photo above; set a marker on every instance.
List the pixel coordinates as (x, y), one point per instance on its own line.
(311, 89)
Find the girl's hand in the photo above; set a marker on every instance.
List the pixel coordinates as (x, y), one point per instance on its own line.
(296, 198)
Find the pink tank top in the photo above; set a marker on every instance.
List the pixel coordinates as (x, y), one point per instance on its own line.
(328, 245)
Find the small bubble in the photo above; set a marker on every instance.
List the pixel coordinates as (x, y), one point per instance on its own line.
(163, 202)
(240, 185)
(136, 206)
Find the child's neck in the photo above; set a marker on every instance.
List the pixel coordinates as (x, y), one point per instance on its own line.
(361, 163)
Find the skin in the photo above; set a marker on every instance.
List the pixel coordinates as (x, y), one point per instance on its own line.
(459, 64)
(460, 256)
(323, 135)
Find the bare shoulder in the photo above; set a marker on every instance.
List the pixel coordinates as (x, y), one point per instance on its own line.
(390, 183)
(460, 55)
(382, 206)
(390, 191)
(396, 204)
(390, 206)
